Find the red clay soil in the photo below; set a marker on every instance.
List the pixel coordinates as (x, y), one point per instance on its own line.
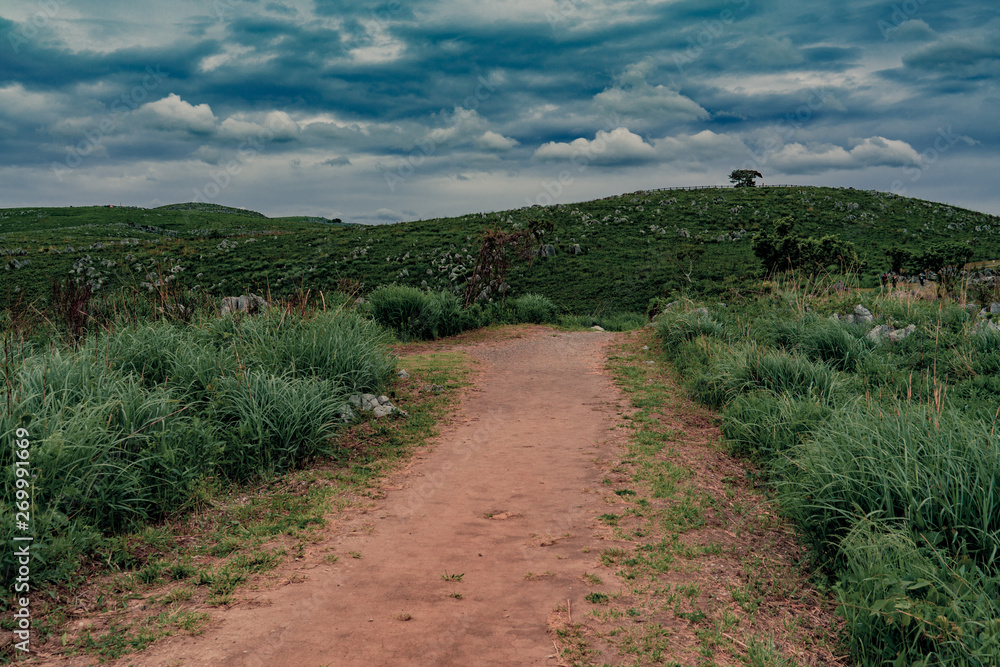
(503, 493)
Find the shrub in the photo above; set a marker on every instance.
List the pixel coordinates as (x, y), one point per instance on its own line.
(534, 309)
(415, 314)
(399, 307)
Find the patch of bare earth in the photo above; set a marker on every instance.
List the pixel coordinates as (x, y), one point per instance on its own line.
(519, 538)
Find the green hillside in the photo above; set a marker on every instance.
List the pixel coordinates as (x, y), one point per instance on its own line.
(630, 247)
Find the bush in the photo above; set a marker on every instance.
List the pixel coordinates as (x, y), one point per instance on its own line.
(418, 315)
(399, 307)
(534, 309)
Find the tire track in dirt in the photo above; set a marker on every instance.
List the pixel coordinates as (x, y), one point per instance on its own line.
(507, 490)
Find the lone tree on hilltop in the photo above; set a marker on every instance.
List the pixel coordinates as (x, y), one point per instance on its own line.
(745, 178)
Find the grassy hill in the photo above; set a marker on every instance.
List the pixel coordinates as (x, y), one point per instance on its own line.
(631, 247)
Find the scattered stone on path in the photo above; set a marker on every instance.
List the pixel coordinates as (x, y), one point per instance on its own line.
(645, 347)
(434, 388)
(403, 374)
(379, 406)
(597, 328)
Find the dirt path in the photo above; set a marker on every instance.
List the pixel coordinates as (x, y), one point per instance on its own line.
(473, 547)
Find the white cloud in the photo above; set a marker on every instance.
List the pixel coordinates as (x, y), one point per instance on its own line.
(705, 145)
(173, 113)
(870, 152)
(274, 126)
(913, 30)
(618, 146)
(465, 124)
(633, 97)
(492, 141)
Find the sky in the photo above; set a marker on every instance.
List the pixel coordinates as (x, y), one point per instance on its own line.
(395, 110)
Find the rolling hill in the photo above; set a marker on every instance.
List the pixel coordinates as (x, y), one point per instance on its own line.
(610, 254)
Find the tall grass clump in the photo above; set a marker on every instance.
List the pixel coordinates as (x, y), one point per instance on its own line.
(400, 308)
(342, 347)
(677, 328)
(938, 475)
(419, 315)
(271, 423)
(842, 346)
(534, 309)
(907, 603)
(780, 371)
(761, 425)
(128, 426)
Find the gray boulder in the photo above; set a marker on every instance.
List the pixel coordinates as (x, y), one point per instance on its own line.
(597, 328)
(379, 406)
(383, 410)
(403, 374)
(862, 314)
(885, 332)
(245, 303)
(986, 325)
